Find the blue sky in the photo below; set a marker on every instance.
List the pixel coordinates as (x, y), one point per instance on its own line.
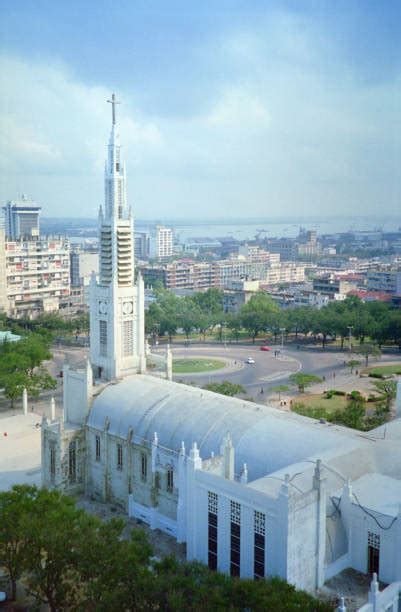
(236, 108)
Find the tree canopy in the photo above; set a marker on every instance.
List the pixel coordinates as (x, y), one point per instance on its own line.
(21, 366)
(69, 559)
(259, 314)
(202, 311)
(301, 380)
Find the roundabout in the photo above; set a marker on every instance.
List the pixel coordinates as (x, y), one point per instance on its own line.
(259, 372)
(196, 365)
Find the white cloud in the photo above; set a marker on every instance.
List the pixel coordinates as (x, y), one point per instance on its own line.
(237, 110)
(283, 134)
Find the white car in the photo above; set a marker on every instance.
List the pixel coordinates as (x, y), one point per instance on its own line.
(3, 596)
(250, 360)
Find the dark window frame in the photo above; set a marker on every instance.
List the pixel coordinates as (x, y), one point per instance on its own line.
(120, 462)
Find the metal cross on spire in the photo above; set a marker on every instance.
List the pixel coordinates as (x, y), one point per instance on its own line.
(113, 103)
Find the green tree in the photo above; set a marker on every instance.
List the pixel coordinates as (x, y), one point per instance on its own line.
(393, 327)
(299, 320)
(352, 415)
(114, 573)
(210, 302)
(367, 350)
(324, 324)
(177, 584)
(163, 314)
(302, 380)
(13, 385)
(70, 560)
(225, 388)
(257, 314)
(80, 324)
(277, 323)
(387, 389)
(204, 322)
(280, 389)
(190, 316)
(52, 576)
(352, 363)
(234, 324)
(15, 509)
(18, 371)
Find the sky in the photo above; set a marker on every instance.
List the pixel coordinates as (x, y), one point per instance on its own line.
(235, 108)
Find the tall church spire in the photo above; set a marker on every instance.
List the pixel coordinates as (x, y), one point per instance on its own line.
(115, 189)
(116, 309)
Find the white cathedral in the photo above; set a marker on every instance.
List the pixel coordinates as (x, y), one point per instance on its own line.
(251, 490)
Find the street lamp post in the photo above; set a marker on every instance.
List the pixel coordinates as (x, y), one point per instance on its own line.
(225, 335)
(156, 329)
(350, 328)
(282, 329)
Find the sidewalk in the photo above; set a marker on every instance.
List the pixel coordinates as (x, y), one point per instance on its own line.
(344, 381)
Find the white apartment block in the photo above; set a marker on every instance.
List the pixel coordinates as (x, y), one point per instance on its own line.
(242, 268)
(3, 285)
(38, 275)
(285, 273)
(161, 242)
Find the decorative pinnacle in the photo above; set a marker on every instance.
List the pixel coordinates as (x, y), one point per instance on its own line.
(113, 103)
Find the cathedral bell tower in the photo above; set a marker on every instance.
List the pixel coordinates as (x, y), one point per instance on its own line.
(116, 303)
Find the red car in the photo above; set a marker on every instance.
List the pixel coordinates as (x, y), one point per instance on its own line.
(265, 348)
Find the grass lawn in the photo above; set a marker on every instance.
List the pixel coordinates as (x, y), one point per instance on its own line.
(387, 370)
(320, 401)
(189, 366)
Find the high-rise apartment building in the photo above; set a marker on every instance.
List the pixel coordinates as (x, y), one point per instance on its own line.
(161, 242)
(141, 245)
(38, 275)
(3, 283)
(21, 219)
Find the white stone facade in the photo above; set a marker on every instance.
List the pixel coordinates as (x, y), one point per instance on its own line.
(116, 302)
(251, 490)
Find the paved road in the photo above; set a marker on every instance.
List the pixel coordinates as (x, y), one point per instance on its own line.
(267, 371)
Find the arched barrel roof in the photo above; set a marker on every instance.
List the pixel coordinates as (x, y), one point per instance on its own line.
(265, 438)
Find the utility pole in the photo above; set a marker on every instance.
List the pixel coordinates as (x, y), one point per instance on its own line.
(156, 329)
(350, 328)
(282, 329)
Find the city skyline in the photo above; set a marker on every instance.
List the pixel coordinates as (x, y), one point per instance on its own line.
(248, 109)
